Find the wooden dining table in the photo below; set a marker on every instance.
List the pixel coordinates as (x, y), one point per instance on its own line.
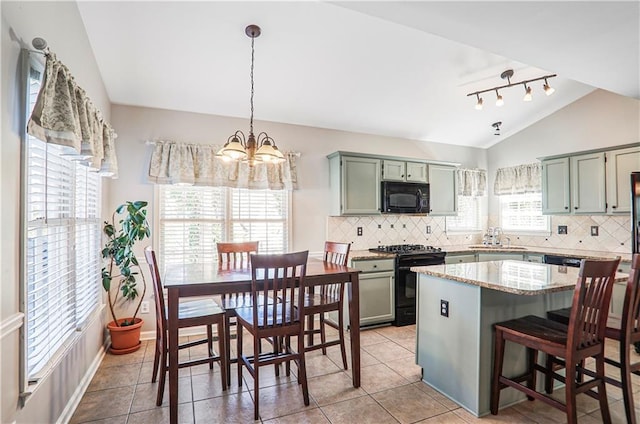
(206, 279)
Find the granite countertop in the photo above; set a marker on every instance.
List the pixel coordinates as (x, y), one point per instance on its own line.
(575, 253)
(355, 255)
(516, 277)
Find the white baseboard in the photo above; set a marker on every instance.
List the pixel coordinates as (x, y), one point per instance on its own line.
(73, 403)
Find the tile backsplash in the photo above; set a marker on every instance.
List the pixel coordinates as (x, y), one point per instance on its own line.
(614, 232)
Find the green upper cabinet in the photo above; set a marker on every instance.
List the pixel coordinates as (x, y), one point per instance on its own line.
(443, 199)
(355, 185)
(556, 197)
(619, 166)
(395, 170)
(588, 183)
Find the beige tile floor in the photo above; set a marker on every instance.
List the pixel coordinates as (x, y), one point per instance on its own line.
(122, 393)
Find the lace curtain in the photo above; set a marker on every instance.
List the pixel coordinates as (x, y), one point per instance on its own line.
(471, 182)
(64, 115)
(197, 164)
(519, 179)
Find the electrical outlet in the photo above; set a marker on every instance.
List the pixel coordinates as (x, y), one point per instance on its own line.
(359, 231)
(144, 307)
(562, 229)
(594, 230)
(428, 229)
(444, 308)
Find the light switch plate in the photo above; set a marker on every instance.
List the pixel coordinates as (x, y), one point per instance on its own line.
(562, 229)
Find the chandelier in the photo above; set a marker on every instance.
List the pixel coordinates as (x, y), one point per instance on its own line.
(251, 149)
(506, 75)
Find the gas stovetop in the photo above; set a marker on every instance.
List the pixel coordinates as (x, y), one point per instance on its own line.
(404, 249)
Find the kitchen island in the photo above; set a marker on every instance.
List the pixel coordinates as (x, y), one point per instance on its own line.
(457, 307)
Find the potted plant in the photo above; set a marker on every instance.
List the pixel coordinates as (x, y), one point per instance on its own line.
(120, 274)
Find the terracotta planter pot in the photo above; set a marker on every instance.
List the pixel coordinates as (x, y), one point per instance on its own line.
(125, 339)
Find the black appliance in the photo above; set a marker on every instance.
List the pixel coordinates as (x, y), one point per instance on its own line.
(635, 212)
(407, 256)
(400, 197)
(562, 260)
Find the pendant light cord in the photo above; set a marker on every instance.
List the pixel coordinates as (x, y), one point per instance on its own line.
(251, 101)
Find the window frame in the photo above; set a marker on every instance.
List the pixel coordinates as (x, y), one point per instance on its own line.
(536, 232)
(81, 311)
(226, 231)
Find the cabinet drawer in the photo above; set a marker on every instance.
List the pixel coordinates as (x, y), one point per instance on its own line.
(373, 265)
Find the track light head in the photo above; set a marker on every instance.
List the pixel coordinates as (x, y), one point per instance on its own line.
(496, 126)
(479, 104)
(499, 100)
(548, 90)
(527, 93)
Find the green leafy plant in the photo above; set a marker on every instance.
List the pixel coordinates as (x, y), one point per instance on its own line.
(121, 272)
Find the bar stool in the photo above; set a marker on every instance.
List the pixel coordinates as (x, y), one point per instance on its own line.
(192, 313)
(582, 338)
(625, 329)
(329, 298)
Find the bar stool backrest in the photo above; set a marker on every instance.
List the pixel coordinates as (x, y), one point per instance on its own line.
(631, 306)
(158, 291)
(235, 255)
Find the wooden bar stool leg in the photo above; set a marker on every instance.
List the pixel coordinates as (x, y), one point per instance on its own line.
(532, 358)
(227, 346)
(224, 359)
(627, 391)
(570, 393)
(343, 349)
(498, 357)
(256, 376)
(323, 333)
(602, 390)
(239, 353)
(210, 345)
(548, 378)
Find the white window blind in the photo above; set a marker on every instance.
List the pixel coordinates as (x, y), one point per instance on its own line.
(469, 216)
(523, 213)
(62, 247)
(192, 219)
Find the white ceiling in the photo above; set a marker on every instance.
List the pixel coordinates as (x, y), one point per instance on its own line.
(399, 69)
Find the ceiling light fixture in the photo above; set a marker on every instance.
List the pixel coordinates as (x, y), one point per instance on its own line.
(506, 75)
(251, 149)
(499, 100)
(496, 126)
(479, 104)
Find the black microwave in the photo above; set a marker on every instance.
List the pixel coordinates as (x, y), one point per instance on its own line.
(398, 197)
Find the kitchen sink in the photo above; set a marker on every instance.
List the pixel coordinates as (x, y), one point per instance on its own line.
(490, 247)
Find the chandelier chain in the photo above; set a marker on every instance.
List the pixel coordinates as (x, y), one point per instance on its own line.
(252, 59)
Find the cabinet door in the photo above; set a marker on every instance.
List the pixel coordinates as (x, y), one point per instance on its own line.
(533, 257)
(393, 170)
(459, 259)
(588, 184)
(555, 186)
(620, 164)
(360, 186)
(442, 190)
(377, 298)
(417, 172)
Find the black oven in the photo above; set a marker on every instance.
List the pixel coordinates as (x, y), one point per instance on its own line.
(400, 197)
(408, 256)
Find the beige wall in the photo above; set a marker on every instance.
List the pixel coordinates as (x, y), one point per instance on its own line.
(60, 24)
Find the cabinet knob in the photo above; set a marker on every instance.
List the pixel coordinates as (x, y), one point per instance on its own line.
(375, 266)
(566, 207)
(613, 207)
(402, 175)
(575, 207)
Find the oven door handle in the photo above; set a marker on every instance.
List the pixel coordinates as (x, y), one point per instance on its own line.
(408, 268)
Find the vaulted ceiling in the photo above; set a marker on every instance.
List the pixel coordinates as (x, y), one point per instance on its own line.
(400, 69)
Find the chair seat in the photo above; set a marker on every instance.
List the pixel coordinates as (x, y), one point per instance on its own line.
(246, 314)
(536, 328)
(197, 308)
(614, 322)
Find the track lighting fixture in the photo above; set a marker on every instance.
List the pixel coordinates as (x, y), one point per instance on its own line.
(499, 100)
(506, 75)
(496, 127)
(479, 104)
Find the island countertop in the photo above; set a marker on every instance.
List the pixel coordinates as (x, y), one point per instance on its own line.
(516, 277)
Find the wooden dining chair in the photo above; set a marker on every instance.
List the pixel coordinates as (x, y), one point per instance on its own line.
(234, 255)
(623, 328)
(274, 276)
(581, 339)
(193, 313)
(327, 298)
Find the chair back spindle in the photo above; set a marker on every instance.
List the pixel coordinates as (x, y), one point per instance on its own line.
(235, 255)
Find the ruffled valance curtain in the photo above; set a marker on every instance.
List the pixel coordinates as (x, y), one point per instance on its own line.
(197, 164)
(519, 179)
(64, 115)
(471, 182)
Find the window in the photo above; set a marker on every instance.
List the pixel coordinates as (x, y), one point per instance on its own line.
(192, 219)
(61, 256)
(469, 216)
(523, 213)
